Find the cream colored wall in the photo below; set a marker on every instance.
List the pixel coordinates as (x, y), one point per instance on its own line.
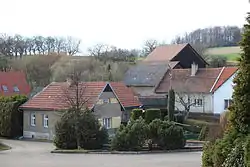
(206, 100)
(39, 131)
(116, 122)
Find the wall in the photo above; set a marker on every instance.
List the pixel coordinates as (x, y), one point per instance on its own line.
(109, 109)
(39, 131)
(223, 92)
(206, 102)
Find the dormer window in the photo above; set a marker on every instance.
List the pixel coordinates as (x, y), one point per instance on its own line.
(5, 88)
(15, 88)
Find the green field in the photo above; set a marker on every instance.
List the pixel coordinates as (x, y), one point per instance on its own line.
(232, 53)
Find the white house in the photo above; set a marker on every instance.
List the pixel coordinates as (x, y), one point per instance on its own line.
(207, 90)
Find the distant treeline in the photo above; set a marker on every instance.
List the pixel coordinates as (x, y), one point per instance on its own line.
(212, 37)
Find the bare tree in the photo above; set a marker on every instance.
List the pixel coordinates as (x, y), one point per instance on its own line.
(72, 46)
(74, 94)
(149, 46)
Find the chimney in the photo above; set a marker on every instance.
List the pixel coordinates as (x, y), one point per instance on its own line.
(194, 69)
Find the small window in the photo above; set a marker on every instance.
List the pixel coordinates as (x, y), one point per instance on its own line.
(15, 88)
(227, 103)
(33, 120)
(198, 102)
(45, 121)
(107, 122)
(100, 101)
(113, 100)
(5, 88)
(105, 100)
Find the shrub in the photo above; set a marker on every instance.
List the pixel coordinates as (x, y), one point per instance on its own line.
(152, 114)
(236, 157)
(132, 137)
(166, 135)
(207, 160)
(247, 151)
(136, 114)
(91, 135)
(203, 133)
(11, 119)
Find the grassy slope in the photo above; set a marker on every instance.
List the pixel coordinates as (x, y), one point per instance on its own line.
(232, 53)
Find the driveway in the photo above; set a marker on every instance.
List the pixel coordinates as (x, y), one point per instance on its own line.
(30, 153)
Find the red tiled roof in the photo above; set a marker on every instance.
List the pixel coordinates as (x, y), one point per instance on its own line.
(125, 94)
(225, 75)
(53, 97)
(11, 79)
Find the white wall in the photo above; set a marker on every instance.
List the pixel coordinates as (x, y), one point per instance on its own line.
(206, 100)
(222, 93)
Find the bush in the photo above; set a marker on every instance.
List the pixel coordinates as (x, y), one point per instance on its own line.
(136, 114)
(91, 135)
(132, 137)
(235, 157)
(166, 135)
(11, 119)
(152, 114)
(203, 133)
(207, 160)
(247, 152)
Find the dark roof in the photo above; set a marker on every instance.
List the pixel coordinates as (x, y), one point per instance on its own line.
(14, 82)
(52, 97)
(202, 82)
(145, 74)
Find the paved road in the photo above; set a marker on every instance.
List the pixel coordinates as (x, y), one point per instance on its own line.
(28, 154)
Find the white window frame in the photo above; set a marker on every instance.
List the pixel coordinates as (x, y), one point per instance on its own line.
(196, 102)
(229, 102)
(45, 121)
(107, 122)
(33, 119)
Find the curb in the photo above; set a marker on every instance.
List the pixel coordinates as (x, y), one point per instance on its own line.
(124, 152)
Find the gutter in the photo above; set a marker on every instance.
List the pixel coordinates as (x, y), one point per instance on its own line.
(215, 82)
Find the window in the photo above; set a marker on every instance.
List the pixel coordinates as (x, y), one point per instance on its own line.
(113, 100)
(107, 123)
(33, 120)
(15, 88)
(5, 88)
(45, 121)
(198, 102)
(100, 101)
(227, 103)
(105, 100)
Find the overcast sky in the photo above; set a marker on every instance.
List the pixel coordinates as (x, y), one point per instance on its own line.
(123, 23)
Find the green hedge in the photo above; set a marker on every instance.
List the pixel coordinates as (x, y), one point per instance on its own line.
(11, 119)
(136, 114)
(152, 114)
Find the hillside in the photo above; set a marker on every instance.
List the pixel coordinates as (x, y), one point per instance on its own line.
(232, 53)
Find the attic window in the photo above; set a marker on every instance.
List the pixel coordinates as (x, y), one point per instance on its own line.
(15, 88)
(5, 88)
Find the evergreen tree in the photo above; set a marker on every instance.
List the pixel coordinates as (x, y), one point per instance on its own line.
(171, 104)
(240, 110)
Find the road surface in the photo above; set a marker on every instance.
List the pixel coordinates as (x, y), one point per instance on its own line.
(37, 154)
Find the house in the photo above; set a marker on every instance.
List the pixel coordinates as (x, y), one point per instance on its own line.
(14, 82)
(110, 102)
(207, 90)
(144, 77)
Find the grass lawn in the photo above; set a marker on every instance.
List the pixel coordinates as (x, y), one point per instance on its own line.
(232, 53)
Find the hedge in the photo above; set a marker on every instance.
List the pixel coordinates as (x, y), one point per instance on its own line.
(152, 114)
(136, 114)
